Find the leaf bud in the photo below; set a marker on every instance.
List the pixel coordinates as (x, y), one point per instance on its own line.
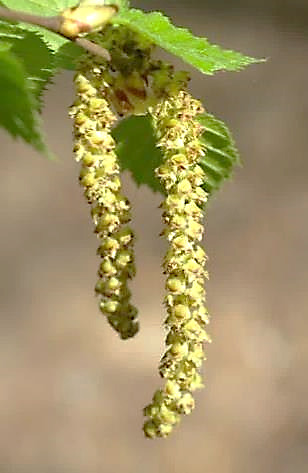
(85, 19)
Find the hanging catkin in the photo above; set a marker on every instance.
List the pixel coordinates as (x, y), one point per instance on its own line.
(175, 121)
(99, 176)
(135, 83)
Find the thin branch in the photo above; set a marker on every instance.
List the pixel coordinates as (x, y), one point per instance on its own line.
(53, 23)
(93, 48)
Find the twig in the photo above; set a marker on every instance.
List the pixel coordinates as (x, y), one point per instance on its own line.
(53, 23)
(92, 48)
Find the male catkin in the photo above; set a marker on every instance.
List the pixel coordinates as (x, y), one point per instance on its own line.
(99, 176)
(175, 121)
(135, 83)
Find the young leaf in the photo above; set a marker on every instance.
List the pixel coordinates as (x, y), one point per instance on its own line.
(36, 57)
(18, 107)
(198, 52)
(137, 151)
(221, 153)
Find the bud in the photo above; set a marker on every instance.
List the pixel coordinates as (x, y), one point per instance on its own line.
(85, 18)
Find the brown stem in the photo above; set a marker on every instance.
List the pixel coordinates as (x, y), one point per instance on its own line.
(93, 48)
(52, 23)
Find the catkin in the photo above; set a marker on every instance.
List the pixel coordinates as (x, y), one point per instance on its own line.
(94, 147)
(178, 132)
(127, 85)
(134, 83)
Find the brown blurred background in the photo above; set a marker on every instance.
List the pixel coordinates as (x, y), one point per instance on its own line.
(72, 392)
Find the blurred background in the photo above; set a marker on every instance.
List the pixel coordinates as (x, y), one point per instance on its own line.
(72, 393)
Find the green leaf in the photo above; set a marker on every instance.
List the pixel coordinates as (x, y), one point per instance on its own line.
(221, 153)
(39, 7)
(9, 30)
(8, 33)
(198, 52)
(154, 26)
(18, 107)
(37, 58)
(137, 151)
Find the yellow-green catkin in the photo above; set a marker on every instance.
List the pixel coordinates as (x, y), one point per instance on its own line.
(136, 80)
(94, 147)
(128, 84)
(175, 121)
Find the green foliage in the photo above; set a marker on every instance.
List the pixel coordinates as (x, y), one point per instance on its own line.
(198, 52)
(221, 153)
(138, 153)
(154, 26)
(17, 111)
(8, 33)
(32, 55)
(36, 58)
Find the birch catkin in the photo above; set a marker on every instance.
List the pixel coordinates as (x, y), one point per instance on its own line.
(178, 131)
(99, 176)
(134, 83)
